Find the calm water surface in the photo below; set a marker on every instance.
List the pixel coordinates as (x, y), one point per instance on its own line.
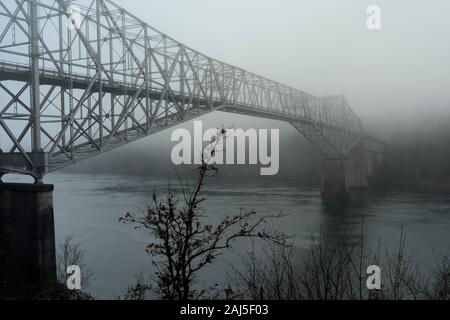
(89, 206)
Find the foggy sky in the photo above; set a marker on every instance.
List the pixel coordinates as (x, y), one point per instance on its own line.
(391, 77)
(323, 47)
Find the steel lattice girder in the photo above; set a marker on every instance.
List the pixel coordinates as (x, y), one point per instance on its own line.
(77, 87)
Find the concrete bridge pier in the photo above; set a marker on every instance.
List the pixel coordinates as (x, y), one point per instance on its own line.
(334, 179)
(356, 167)
(339, 176)
(374, 162)
(27, 237)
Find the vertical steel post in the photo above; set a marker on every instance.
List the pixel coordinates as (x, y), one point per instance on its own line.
(111, 72)
(126, 98)
(35, 93)
(182, 79)
(146, 78)
(150, 75)
(71, 92)
(61, 65)
(100, 86)
(211, 83)
(89, 59)
(246, 96)
(233, 90)
(166, 73)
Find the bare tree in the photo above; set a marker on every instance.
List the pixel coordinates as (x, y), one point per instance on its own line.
(337, 271)
(441, 280)
(139, 290)
(270, 276)
(403, 277)
(184, 244)
(71, 254)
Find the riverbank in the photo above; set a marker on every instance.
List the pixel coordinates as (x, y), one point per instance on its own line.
(417, 185)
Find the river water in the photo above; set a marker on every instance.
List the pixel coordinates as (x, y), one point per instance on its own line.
(88, 208)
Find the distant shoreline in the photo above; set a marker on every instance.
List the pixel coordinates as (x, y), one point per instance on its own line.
(419, 185)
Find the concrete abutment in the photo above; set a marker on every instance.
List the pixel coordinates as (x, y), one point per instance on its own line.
(28, 236)
(339, 176)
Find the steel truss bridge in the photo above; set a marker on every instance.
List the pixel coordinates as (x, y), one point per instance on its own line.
(78, 78)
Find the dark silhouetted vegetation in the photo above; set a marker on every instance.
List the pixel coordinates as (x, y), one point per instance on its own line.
(337, 271)
(184, 244)
(69, 254)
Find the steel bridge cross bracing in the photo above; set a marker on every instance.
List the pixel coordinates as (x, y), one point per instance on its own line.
(78, 78)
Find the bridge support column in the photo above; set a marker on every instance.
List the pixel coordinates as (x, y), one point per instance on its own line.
(333, 179)
(374, 162)
(371, 167)
(339, 176)
(356, 167)
(27, 236)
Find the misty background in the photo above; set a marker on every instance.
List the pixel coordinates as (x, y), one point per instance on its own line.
(397, 79)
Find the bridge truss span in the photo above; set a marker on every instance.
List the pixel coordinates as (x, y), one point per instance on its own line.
(78, 78)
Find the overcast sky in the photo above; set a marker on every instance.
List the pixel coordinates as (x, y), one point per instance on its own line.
(323, 47)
